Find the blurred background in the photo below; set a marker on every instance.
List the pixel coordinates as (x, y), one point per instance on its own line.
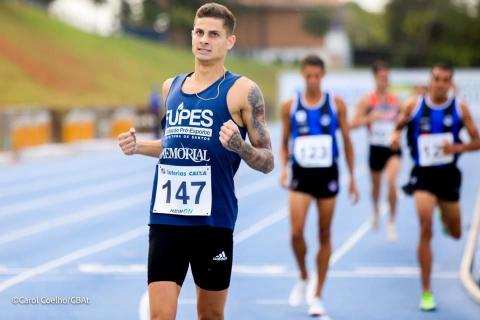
(76, 73)
(74, 70)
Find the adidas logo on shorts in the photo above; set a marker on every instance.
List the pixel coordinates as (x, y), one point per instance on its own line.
(220, 257)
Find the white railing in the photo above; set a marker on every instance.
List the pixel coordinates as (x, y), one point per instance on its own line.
(466, 276)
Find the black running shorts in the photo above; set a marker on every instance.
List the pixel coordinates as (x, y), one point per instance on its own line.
(317, 182)
(379, 157)
(207, 250)
(443, 182)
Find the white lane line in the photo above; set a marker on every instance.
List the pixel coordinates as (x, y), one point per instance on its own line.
(260, 225)
(469, 282)
(73, 177)
(104, 245)
(71, 194)
(271, 271)
(257, 186)
(79, 216)
(354, 238)
(112, 268)
(46, 174)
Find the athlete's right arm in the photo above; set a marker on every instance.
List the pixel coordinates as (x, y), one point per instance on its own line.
(406, 111)
(362, 117)
(285, 118)
(127, 141)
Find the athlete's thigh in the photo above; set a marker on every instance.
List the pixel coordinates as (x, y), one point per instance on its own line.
(299, 203)
(376, 178)
(392, 168)
(163, 296)
(326, 209)
(425, 202)
(451, 214)
(211, 304)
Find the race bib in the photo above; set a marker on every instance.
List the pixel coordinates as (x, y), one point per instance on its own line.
(314, 151)
(185, 191)
(430, 149)
(380, 133)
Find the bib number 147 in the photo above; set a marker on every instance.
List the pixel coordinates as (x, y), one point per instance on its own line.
(183, 190)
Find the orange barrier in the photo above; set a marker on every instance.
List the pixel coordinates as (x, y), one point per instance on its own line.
(122, 120)
(30, 129)
(79, 125)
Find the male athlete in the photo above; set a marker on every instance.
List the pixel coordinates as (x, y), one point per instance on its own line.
(194, 208)
(433, 125)
(379, 111)
(310, 122)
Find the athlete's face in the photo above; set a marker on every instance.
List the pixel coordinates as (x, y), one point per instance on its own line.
(440, 82)
(313, 76)
(210, 40)
(382, 79)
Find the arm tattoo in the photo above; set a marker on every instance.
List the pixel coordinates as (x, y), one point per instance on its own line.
(235, 143)
(255, 99)
(261, 157)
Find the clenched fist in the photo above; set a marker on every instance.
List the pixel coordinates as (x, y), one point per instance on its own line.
(230, 136)
(128, 142)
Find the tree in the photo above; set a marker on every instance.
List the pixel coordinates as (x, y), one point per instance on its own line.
(425, 31)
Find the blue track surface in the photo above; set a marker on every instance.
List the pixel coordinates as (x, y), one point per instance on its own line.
(76, 226)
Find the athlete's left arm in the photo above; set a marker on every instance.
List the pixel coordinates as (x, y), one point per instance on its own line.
(347, 143)
(258, 155)
(472, 130)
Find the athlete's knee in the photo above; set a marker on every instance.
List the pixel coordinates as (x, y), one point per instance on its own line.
(210, 314)
(161, 314)
(426, 231)
(297, 236)
(325, 236)
(392, 183)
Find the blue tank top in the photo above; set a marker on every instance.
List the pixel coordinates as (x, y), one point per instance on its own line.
(193, 164)
(317, 120)
(429, 119)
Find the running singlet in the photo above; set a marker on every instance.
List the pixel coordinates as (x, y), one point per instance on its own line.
(381, 130)
(312, 139)
(193, 184)
(430, 127)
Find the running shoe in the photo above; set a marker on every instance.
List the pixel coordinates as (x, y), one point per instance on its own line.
(392, 231)
(298, 293)
(427, 302)
(316, 308)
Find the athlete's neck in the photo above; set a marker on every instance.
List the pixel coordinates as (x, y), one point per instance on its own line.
(312, 96)
(437, 99)
(381, 91)
(206, 74)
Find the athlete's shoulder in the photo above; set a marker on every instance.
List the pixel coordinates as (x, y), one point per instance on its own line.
(287, 105)
(244, 92)
(167, 84)
(411, 102)
(339, 102)
(244, 85)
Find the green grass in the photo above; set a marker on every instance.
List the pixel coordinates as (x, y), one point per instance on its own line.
(48, 64)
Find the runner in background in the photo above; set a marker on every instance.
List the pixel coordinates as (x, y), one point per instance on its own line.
(378, 111)
(310, 122)
(433, 123)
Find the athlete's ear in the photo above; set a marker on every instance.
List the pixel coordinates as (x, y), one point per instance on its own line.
(231, 41)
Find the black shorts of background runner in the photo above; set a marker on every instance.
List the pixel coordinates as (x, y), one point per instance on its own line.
(379, 156)
(317, 182)
(443, 182)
